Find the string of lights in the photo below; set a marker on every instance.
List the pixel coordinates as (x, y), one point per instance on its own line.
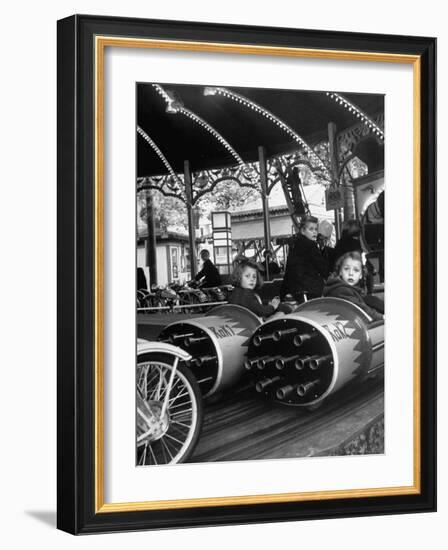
(164, 94)
(159, 154)
(352, 108)
(175, 106)
(211, 90)
(214, 133)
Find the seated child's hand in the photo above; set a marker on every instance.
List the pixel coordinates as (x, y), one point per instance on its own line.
(275, 302)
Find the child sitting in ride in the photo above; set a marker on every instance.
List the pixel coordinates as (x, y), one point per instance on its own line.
(347, 283)
(246, 278)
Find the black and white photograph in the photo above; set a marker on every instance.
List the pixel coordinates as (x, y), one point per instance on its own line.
(190, 358)
(229, 349)
(260, 273)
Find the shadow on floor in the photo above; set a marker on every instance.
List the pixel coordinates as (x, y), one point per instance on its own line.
(44, 516)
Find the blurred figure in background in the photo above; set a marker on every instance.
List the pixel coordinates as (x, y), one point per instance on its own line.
(141, 279)
(209, 274)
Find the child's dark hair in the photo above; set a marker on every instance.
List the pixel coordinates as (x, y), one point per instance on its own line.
(354, 255)
(235, 278)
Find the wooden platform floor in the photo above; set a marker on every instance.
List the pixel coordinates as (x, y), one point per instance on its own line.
(241, 426)
(238, 425)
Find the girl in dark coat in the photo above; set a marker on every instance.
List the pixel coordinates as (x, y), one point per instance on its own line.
(346, 284)
(246, 278)
(307, 265)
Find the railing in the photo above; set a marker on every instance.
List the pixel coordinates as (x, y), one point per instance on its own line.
(179, 307)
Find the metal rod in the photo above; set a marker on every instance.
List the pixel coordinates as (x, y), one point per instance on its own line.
(319, 362)
(262, 384)
(304, 337)
(265, 200)
(170, 385)
(263, 363)
(249, 363)
(151, 245)
(155, 308)
(303, 389)
(185, 306)
(205, 379)
(334, 172)
(281, 363)
(174, 337)
(199, 361)
(191, 228)
(285, 391)
(190, 341)
(278, 334)
(259, 338)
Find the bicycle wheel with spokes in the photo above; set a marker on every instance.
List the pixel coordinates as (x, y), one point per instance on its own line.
(166, 435)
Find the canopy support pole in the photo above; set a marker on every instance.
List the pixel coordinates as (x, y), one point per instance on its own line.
(265, 200)
(334, 164)
(151, 244)
(191, 227)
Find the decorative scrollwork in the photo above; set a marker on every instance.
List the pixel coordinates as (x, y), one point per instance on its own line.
(280, 168)
(349, 139)
(205, 181)
(358, 113)
(153, 184)
(246, 175)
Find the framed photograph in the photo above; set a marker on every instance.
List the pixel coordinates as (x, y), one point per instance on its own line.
(246, 327)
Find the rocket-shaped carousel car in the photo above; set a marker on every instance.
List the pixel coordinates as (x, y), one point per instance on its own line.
(217, 342)
(303, 357)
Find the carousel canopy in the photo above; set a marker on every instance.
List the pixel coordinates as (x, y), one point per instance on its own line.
(180, 137)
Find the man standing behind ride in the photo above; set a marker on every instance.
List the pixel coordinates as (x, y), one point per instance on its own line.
(209, 274)
(307, 266)
(349, 241)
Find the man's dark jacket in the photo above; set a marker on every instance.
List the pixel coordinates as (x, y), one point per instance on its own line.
(210, 273)
(344, 245)
(306, 269)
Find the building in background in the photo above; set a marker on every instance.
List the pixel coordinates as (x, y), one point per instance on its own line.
(173, 257)
(247, 221)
